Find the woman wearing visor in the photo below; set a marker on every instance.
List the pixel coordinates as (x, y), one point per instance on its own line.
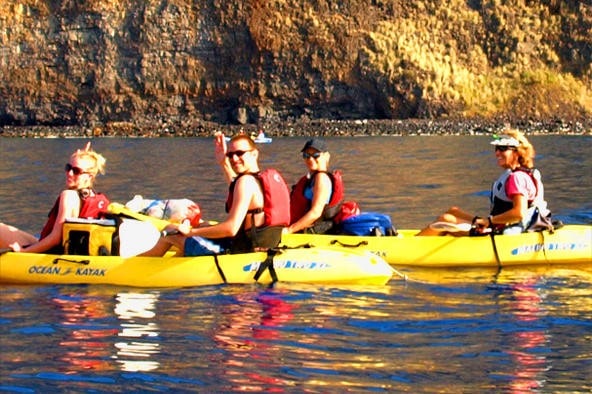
(516, 196)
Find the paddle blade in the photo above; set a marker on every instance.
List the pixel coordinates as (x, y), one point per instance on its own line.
(136, 237)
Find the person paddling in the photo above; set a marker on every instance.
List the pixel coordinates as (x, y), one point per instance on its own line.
(517, 196)
(78, 200)
(258, 207)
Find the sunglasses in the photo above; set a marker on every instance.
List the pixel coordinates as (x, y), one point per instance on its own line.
(501, 148)
(315, 155)
(238, 153)
(75, 170)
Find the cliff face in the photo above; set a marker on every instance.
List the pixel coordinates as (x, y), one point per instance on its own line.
(71, 62)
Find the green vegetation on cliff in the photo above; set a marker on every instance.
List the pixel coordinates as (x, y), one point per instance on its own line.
(100, 61)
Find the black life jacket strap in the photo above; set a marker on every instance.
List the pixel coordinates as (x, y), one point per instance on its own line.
(219, 269)
(267, 264)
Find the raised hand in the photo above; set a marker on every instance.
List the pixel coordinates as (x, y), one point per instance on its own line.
(220, 147)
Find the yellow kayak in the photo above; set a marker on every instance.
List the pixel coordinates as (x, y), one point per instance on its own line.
(304, 265)
(570, 244)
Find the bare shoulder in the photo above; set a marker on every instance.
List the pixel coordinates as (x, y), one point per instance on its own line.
(247, 182)
(324, 179)
(69, 196)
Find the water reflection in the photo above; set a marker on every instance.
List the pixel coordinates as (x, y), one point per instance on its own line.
(531, 344)
(86, 339)
(136, 312)
(248, 331)
(275, 338)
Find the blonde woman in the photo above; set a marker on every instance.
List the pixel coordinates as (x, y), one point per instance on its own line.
(317, 196)
(516, 196)
(77, 200)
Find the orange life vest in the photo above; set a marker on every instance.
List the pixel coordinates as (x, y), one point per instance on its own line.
(276, 197)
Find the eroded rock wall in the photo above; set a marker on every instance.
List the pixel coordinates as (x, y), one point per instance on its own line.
(70, 62)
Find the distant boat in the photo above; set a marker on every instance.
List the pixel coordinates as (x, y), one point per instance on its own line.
(258, 139)
(262, 139)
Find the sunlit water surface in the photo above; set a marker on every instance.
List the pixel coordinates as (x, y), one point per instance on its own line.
(526, 330)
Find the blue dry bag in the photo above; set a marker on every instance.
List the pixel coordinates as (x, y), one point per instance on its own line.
(368, 223)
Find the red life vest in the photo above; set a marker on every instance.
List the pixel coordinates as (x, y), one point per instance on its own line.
(276, 197)
(91, 207)
(299, 204)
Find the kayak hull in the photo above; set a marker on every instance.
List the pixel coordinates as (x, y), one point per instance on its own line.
(314, 265)
(571, 244)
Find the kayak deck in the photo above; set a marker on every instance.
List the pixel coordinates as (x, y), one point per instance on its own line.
(313, 265)
(570, 244)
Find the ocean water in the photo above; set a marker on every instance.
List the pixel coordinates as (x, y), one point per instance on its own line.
(525, 330)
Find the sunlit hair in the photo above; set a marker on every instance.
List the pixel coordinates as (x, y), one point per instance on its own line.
(244, 137)
(88, 153)
(525, 151)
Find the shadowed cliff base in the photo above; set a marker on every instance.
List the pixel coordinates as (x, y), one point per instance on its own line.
(328, 128)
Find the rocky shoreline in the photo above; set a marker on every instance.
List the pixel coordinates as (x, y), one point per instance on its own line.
(188, 128)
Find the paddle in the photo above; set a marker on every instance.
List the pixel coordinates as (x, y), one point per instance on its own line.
(120, 209)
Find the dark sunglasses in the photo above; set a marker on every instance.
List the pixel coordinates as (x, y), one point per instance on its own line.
(238, 153)
(75, 170)
(315, 155)
(502, 148)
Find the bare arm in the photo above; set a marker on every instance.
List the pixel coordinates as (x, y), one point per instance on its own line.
(514, 215)
(69, 208)
(244, 197)
(220, 151)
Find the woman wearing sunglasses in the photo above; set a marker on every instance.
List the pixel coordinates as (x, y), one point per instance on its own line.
(516, 196)
(257, 206)
(317, 196)
(77, 200)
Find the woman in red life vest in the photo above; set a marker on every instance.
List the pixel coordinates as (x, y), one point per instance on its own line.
(317, 196)
(516, 195)
(77, 200)
(257, 206)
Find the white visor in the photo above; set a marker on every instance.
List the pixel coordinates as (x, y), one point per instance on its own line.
(505, 140)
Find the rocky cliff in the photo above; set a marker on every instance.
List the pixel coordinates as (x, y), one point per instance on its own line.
(100, 62)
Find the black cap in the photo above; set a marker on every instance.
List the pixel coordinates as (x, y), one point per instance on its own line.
(315, 143)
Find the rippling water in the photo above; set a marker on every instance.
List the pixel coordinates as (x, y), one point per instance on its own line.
(526, 330)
